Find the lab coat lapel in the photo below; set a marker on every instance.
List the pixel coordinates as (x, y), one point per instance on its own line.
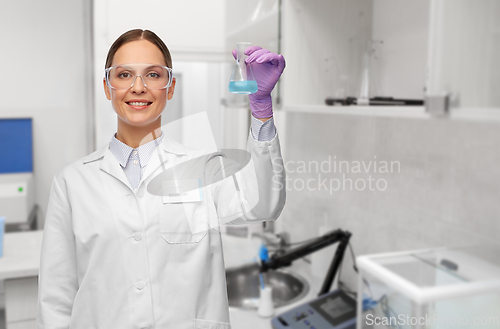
(163, 156)
(110, 165)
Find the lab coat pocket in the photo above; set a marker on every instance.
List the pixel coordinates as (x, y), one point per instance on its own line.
(208, 324)
(183, 222)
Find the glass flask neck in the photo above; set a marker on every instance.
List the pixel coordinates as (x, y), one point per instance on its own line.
(240, 48)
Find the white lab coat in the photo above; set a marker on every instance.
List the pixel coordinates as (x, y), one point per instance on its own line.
(110, 258)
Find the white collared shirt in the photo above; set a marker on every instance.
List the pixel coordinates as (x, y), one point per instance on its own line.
(133, 160)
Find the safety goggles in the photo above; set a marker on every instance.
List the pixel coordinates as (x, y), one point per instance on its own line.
(153, 76)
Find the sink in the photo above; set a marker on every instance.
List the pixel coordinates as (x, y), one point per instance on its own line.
(243, 285)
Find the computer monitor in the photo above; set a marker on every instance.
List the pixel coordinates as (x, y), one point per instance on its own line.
(16, 145)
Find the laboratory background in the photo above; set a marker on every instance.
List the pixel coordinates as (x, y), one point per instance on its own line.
(388, 114)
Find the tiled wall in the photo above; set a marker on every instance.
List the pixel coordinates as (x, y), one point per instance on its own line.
(446, 192)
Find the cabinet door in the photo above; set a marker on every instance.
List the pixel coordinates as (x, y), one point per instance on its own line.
(464, 49)
(21, 297)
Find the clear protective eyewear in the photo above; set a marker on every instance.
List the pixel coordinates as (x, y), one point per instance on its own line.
(153, 76)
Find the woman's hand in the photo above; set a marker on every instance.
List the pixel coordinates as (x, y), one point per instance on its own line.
(267, 68)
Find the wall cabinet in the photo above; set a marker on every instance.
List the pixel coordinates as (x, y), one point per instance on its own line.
(415, 48)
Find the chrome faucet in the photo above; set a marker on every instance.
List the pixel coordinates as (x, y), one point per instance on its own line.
(270, 239)
(277, 241)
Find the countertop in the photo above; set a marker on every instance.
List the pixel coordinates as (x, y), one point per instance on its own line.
(22, 259)
(21, 254)
(240, 251)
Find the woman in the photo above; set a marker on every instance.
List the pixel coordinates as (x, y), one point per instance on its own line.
(116, 255)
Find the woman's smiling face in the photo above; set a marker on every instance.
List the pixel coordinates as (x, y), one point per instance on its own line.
(140, 51)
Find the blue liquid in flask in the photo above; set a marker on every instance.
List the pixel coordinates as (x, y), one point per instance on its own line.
(243, 87)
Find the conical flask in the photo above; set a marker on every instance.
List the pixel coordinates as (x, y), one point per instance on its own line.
(242, 79)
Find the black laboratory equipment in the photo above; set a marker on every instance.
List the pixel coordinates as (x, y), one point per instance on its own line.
(331, 310)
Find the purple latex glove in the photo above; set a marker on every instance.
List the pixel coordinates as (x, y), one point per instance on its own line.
(267, 68)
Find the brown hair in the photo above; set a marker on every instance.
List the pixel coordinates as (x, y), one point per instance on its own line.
(134, 35)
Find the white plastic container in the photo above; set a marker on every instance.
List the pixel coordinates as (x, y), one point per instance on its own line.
(438, 288)
(266, 308)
